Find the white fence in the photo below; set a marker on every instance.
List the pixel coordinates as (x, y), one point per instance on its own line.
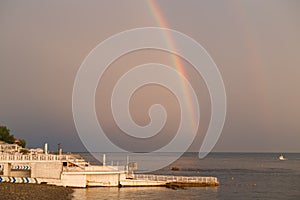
(184, 179)
(38, 157)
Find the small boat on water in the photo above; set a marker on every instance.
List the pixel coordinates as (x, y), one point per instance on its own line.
(281, 157)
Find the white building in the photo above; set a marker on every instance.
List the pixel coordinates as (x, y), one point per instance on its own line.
(9, 148)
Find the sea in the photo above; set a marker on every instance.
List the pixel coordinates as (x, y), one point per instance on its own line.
(241, 176)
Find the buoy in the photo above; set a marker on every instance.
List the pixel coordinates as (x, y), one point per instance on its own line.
(175, 168)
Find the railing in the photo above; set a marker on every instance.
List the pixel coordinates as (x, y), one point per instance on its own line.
(118, 167)
(37, 157)
(184, 179)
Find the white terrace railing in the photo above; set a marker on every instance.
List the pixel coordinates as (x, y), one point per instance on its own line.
(37, 157)
(184, 179)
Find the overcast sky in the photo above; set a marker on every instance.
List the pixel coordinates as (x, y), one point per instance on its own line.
(255, 44)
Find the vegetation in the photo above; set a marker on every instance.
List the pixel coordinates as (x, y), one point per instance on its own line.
(24, 151)
(21, 143)
(8, 138)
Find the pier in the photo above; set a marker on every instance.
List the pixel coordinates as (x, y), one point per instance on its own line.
(169, 181)
(71, 170)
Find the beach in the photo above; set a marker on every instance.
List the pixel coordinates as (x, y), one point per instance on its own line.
(20, 191)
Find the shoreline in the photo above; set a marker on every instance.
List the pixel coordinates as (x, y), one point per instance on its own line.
(19, 191)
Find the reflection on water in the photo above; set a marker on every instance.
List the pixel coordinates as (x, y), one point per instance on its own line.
(145, 193)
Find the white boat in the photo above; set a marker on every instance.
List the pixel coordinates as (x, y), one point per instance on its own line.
(281, 157)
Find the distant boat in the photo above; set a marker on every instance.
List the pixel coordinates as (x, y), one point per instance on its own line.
(175, 168)
(281, 157)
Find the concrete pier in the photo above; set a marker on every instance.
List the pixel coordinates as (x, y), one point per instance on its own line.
(169, 181)
(73, 171)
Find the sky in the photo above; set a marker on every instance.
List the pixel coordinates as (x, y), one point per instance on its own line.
(255, 45)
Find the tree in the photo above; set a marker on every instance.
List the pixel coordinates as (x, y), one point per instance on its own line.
(6, 136)
(21, 143)
(24, 151)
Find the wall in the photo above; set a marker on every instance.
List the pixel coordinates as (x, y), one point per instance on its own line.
(46, 170)
(102, 179)
(73, 180)
(20, 173)
(6, 169)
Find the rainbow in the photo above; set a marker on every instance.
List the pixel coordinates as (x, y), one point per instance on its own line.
(255, 59)
(246, 29)
(160, 20)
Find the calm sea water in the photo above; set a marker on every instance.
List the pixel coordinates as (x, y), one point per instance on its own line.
(241, 176)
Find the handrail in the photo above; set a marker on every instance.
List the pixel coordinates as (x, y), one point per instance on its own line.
(35, 157)
(184, 179)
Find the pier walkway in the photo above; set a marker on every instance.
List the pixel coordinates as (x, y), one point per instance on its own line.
(184, 179)
(169, 181)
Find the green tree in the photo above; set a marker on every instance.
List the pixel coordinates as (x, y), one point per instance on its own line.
(24, 151)
(21, 143)
(5, 135)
